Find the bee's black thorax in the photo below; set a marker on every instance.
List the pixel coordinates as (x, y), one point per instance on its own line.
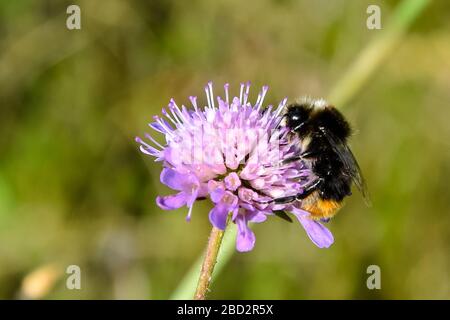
(309, 123)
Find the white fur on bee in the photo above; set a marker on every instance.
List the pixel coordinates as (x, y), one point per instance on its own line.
(314, 103)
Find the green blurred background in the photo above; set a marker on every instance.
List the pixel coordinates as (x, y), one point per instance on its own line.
(74, 189)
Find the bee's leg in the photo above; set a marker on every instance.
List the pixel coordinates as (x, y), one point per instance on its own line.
(309, 154)
(309, 189)
(285, 161)
(306, 192)
(284, 200)
(289, 160)
(304, 155)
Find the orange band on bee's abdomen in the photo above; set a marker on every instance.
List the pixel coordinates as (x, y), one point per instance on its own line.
(320, 208)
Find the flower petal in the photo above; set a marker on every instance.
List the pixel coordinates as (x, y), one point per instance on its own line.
(218, 216)
(232, 181)
(256, 216)
(245, 239)
(216, 190)
(247, 195)
(319, 235)
(172, 179)
(173, 201)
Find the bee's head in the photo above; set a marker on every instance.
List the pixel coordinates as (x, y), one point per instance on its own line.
(311, 115)
(297, 115)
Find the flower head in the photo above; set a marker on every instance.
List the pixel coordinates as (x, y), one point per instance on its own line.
(230, 152)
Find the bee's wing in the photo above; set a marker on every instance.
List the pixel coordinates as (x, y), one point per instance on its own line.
(351, 165)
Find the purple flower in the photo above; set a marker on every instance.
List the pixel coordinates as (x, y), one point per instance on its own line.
(230, 152)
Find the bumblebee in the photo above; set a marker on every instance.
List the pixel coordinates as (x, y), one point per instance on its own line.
(324, 133)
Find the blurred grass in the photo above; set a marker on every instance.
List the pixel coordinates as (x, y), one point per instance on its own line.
(378, 50)
(75, 190)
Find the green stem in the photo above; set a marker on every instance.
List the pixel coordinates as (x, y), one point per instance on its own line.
(209, 262)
